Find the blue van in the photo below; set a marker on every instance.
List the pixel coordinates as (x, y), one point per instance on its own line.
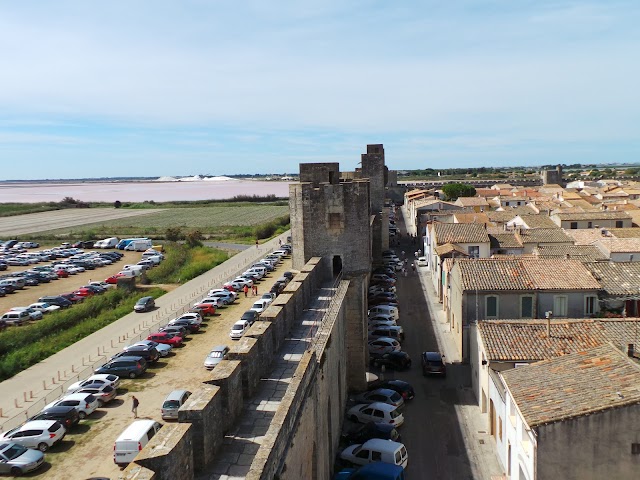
(122, 244)
(372, 471)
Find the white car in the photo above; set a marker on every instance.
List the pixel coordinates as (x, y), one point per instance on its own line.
(102, 284)
(423, 262)
(238, 329)
(44, 307)
(84, 403)
(192, 316)
(243, 281)
(376, 412)
(373, 324)
(93, 380)
(260, 306)
(383, 345)
(162, 348)
(40, 434)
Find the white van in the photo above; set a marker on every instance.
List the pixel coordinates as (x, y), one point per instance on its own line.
(130, 273)
(139, 245)
(136, 269)
(384, 310)
(377, 450)
(134, 439)
(110, 242)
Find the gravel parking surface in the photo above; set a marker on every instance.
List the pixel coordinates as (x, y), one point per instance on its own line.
(88, 450)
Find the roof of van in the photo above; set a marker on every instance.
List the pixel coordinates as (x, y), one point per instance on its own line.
(380, 444)
(134, 429)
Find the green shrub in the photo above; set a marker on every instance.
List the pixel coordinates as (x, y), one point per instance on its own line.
(22, 347)
(182, 263)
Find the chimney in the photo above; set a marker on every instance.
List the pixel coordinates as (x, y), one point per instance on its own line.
(631, 350)
(548, 314)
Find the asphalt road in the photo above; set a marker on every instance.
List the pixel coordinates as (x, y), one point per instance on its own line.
(440, 435)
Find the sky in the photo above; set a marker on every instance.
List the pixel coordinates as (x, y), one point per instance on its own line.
(154, 88)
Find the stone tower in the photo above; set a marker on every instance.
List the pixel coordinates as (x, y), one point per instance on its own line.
(330, 219)
(552, 176)
(373, 168)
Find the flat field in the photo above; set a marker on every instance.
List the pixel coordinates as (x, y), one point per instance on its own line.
(207, 219)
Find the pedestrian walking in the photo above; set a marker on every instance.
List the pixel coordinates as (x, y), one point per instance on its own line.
(419, 252)
(413, 267)
(402, 254)
(245, 289)
(134, 406)
(279, 241)
(257, 244)
(254, 290)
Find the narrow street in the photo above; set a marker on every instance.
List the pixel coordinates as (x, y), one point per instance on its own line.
(442, 431)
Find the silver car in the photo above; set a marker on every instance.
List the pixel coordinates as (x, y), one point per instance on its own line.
(215, 356)
(162, 348)
(16, 459)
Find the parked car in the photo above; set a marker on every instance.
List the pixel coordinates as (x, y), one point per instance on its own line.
(131, 367)
(383, 345)
(94, 380)
(392, 360)
(215, 356)
(168, 338)
(213, 301)
(85, 403)
(150, 354)
(162, 348)
(422, 262)
(179, 330)
(190, 324)
(40, 434)
(238, 329)
(172, 404)
(260, 306)
(433, 364)
(44, 307)
(133, 439)
(66, 415)
(144, 304)
(33, 314)
(16, 459)
(56, 300)
(72, 297)
(376, 450)
(403, 388)
(250, 316)
(370, 430)
(375, 470)
(375, 412)
(15, 318)
(391, 331)
(104, 394)
(383, 395)
(205, 309)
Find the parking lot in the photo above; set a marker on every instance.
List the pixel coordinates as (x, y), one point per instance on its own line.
(88, 451)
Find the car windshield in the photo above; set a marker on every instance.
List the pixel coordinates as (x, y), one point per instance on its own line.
(395, 397)
(46, 305)
(14, 451)
(237, 327)
(171, 404)
(394, 413)
(215, 354)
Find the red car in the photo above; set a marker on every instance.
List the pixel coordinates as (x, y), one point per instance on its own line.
(62, 273)
(166, 338)
(205, 309)
(84, 292)
(72, 297)
(113, 279)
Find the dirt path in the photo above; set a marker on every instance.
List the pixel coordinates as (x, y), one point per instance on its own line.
(88, 450)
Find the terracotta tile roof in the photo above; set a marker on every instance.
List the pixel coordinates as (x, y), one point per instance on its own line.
(583, 236)
(472, 201)
(584, 253)
(582, 204)
(616, 278)
(575, 384)
(450, 248)
(633, 232)
(544, 235)
(595, 216)
(460, 233)
(538, 221)
(518, 273)
(527, 340)
(472, 218)
(504, 240)
(618, 245)
(501, 217)
(622, 331)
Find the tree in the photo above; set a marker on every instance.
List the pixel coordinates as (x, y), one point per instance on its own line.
(455, 190)
(173, 234)
(117, 204)
(194, 238)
